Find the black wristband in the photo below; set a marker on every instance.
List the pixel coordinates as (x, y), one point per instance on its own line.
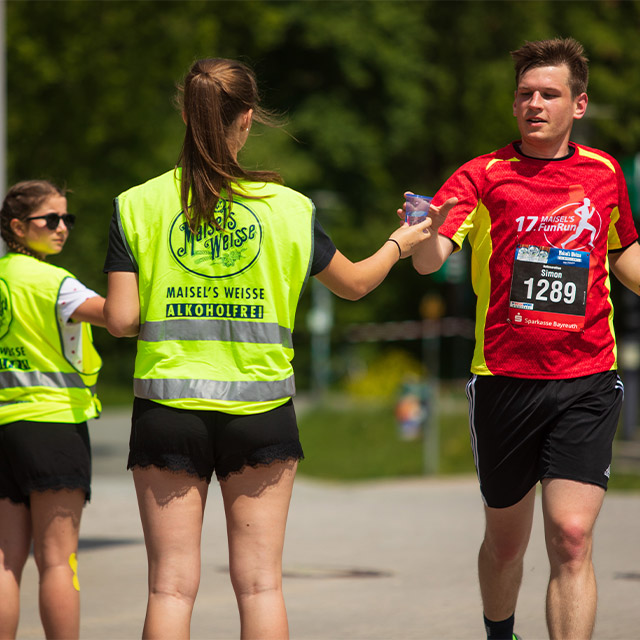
(397, 245)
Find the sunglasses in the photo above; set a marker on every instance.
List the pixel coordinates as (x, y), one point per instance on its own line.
(53, 220)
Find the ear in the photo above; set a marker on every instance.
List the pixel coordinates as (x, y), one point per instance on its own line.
(580, 106)
(515, 94)
(18, 228)
(184, 116)
(247, 119)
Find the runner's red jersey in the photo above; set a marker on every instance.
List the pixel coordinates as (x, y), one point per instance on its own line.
(540, 231)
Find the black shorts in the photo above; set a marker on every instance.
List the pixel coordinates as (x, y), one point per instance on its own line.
(38, 456)
(523, 430)
(201, 442)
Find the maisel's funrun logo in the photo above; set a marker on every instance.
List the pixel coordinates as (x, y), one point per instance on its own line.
(216, 254)
(5, 308)
(574, 225)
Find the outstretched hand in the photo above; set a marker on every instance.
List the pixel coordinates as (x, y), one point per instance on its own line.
(408, 237)
(439, 214)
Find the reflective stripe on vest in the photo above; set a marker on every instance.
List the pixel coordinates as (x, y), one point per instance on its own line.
(220, 330)
(232, 390)
(54, 379)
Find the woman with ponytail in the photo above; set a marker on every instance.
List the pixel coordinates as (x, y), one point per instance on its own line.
(206, 265)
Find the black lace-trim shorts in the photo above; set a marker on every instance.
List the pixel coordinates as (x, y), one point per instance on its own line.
(201, 442)
(38, 456)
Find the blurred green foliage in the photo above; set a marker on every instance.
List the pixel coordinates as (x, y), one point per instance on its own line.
(347, 439)
(382, 377)
(378, 97)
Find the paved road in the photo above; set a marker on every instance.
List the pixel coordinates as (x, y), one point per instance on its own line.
(371, 561)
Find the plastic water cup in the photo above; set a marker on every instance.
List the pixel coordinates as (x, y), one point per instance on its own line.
(416, 208)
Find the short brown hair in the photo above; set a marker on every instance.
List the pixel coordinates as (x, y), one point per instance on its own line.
(553, 53)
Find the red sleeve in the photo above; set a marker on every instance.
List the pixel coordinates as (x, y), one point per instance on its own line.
(464, 184)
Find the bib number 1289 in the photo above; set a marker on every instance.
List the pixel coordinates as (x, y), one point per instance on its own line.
(553, 291)
(549, 288)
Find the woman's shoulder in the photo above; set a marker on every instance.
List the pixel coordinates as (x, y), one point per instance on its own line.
(25, 262)
(171, 177)
(269, 189)
(53, 271)
(29, 269)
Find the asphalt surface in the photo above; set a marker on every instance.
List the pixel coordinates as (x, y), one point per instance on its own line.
(376, 560)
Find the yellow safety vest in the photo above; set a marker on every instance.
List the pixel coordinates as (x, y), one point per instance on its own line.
(47, 374)
(217, 308)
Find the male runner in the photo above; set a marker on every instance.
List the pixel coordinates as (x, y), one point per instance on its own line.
(545, 218)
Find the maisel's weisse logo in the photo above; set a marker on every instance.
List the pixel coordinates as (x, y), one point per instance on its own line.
(5, 308)
(212, 253)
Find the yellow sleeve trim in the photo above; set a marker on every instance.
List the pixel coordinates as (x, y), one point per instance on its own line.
(492, 162)
(595, 156)
(613, 241)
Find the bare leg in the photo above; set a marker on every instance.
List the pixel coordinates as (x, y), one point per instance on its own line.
(171, 509)
(256, 504)
(15, 541)
(570, 511)
(501, 556)
(56, 525)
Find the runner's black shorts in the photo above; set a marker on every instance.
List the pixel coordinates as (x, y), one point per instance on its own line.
(202, 441)
(39, 456)
(524, 430)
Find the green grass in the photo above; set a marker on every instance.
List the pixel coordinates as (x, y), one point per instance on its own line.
(358, 440)
(624, 482)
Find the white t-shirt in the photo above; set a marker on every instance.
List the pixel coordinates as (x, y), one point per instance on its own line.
(72, 294)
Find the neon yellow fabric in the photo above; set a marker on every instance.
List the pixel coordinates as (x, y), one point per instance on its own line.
(47, 372)
(217, 307)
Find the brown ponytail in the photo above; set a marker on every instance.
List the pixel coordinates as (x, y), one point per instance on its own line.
(22, 199)
(214, 93)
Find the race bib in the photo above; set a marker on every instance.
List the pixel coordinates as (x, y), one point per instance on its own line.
(549, 288)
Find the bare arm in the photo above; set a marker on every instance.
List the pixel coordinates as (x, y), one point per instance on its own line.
(353, 280)
(626, 266)
(429, 256)
(92, 311)
(122, 308)
(433, 256)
